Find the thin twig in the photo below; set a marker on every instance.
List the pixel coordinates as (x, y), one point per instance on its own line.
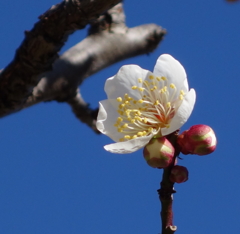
(166, 192)
(82, 111)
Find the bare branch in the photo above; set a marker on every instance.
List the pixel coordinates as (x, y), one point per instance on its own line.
(91, 55)
(39, 49)
(109, 41)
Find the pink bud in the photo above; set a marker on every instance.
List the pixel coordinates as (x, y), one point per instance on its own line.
(159, 152)
(179, 174)
(199, 139)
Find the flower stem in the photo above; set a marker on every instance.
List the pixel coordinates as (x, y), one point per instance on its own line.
(166, 193)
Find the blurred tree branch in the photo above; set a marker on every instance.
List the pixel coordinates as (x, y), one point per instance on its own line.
(36, 73)
(232, 0)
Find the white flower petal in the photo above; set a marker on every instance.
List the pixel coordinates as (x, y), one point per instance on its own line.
(127, 147)
(123, 81)
(172, 69)
(147, 106)
(106, 119)
(183, 113)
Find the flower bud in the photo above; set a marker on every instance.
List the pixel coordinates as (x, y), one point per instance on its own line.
(179, 174)
(159, 152)
(199, 139)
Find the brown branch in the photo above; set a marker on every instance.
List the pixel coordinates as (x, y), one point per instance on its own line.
(109, 41)
(39, 49)
(82, 111)
(166, 193)
(92, 55)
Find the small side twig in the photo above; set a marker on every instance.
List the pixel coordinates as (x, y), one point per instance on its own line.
(82, 111)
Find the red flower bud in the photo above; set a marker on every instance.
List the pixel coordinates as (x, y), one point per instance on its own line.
(159, 152)
(199, 139)
(179, 174)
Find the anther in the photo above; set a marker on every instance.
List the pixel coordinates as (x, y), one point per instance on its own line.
(119, 119)
(182, 92)
(119, 129)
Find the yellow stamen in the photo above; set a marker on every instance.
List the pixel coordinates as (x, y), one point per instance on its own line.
(119, 99)
(182, 92)
(150, 129)
(119, 119)
(119, 130)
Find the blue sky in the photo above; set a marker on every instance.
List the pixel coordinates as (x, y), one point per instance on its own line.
(55, 176)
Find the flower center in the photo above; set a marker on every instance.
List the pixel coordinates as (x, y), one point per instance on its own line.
(153, 111)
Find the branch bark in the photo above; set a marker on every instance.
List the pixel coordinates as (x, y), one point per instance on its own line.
(39, 49)
(108, 42)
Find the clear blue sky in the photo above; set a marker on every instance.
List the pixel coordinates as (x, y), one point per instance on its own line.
(55, 176)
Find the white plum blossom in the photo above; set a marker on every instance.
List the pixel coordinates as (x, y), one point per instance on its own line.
(142, 105)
